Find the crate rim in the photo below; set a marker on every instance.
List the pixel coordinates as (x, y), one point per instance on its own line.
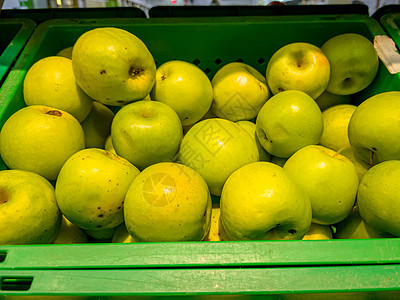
(202, 253)
(16, 45)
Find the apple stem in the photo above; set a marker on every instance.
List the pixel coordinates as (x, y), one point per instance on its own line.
(56, 113)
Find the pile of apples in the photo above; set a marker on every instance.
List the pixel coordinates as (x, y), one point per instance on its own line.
(111, 148)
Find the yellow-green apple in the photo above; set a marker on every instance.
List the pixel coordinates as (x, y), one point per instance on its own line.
(259, 201)
(217, 231)
(91, 188)
(354, 63)
(109, 145)
(146, 132)
(66, 52)
(28, 209)
(51, 82)
(287, 122)
(336, 123)
(318, 232)
(40, 139)
(70, 233)
(97, 125)
(121, 235)
(215, 148)
(298, 66)
(102, 234)
(378, 197)
(326, 100)
(374, 128)
(239, 92)
(354, 227)
(361, 166)
(184, 87)
(328, 178)
(113, 66)
(250, 127)
(168, 202)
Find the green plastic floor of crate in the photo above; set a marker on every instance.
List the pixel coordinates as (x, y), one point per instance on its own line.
(331, 269)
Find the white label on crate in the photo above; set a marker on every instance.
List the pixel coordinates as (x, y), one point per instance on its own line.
(388, 53)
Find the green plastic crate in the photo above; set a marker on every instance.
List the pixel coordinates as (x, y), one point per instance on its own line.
(179, 11)
(39, 15)
(14, 33)
(261, 282)
(386, 9)
(277, 269)
(391, 23)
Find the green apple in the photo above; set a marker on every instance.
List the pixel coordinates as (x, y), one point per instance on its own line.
(102, 234)
(329, 179)
(239, 92)
(40, 139)
(326, 100)
(374, 128)
(28, 209)
(298, 66)
(168, 202)
(121, 235)
(109, 145)
(97, 125)
(379, 198)
(66, 52)
(361, 166)
(287, 122)
(318, 232)
(146, 132)
(259, 201)
(354, 63)
(336, 123)
(113, 66)
(215, 148)
(51, 82)
(250, 127)
(185, 88)
(354, 227)
(70, 233)
(91, 188)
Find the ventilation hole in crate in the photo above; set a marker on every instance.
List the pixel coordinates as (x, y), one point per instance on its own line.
(16, 283)
(3, 255)
(207, 70)
(218, 61)
(261, 60)
(239, 60)
(196, 62)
